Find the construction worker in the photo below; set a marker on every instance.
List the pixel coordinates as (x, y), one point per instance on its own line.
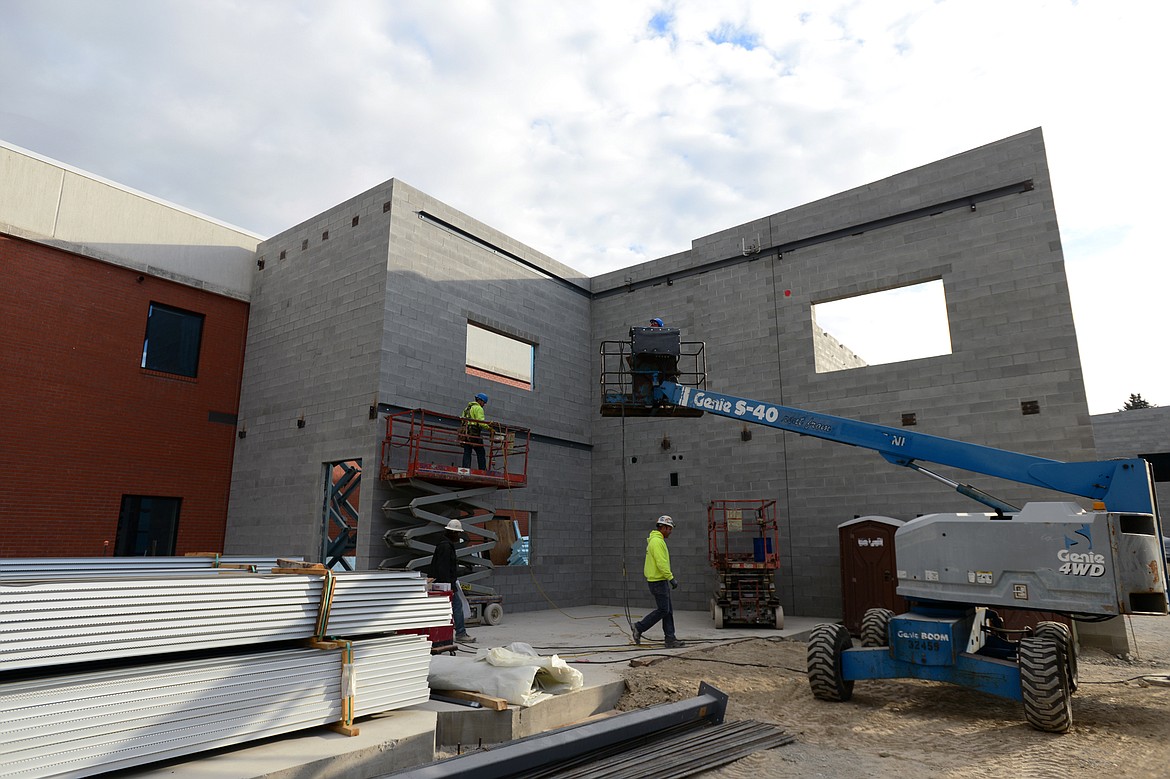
(645, 369)
(471, 432)
(661, 581)
(444, 568)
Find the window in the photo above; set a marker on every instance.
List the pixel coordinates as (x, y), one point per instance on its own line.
(172, 341)
(1161, 467)
(900, 324)
(147, 526)
(501, 358)
(512, 539)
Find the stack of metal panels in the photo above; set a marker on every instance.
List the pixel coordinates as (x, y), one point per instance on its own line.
(88, 567)
(130, 710)
(79, 724)
(46, 623)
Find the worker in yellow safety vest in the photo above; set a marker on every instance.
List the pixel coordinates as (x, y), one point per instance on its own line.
(471, 432)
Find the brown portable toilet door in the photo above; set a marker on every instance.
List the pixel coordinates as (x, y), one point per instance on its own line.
(869, 568)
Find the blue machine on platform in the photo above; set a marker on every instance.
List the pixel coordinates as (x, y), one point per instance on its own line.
(956, 569)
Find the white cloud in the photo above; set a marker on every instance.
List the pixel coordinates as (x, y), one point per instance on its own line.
(600, 138)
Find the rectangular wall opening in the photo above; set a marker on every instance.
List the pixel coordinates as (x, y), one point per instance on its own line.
(895, 325)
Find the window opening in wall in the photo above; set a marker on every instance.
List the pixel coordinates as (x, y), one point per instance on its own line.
(512, 530)
(173, 337)
(1160, 465)
(343, 480)
(500, 358)
(895, 325)
(147, 525)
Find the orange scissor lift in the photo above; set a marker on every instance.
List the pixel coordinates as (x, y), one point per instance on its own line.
(743, 547)
(421, 463)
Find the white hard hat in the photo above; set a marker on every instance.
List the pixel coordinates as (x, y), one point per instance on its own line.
(665, 520)
(455, 525)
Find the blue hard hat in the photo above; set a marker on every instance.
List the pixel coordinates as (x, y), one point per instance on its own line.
(656, 322)
(482, 398)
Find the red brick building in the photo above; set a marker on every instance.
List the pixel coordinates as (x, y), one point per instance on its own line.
(120, 369)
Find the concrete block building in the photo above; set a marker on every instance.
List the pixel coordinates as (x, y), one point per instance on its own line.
(380, 304)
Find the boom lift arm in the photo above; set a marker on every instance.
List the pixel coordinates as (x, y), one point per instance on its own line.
(1122, 485)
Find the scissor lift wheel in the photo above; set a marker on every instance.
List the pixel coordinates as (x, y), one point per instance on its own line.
(493, 613)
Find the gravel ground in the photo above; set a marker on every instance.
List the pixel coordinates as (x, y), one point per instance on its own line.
(905, 727)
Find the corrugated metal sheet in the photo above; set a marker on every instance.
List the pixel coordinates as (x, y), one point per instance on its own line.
(79, 724)
(88, 567)
(46, 623)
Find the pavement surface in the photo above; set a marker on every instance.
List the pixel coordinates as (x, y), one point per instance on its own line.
(599, 636)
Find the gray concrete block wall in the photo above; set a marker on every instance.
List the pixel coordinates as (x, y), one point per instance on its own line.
(314, 334)
(377, 313)
(437, 282)
(1012, 338)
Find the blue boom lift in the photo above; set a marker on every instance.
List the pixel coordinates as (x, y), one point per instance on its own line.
(954, 569)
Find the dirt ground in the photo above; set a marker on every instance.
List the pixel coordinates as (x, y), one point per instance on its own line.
(900, 728)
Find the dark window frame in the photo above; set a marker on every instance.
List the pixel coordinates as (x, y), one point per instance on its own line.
(136, 537)
(173, 341)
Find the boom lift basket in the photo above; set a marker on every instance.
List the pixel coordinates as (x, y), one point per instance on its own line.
(633, 371)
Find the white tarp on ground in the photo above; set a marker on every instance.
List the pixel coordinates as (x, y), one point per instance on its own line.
(515, 673)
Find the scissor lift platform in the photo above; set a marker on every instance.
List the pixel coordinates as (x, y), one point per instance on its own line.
(422, 463)
(743, 547)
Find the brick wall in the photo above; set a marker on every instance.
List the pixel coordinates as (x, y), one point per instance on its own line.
(82, 423)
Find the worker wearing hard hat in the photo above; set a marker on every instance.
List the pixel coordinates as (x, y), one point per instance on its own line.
(444, 568)
(656, 322)
(661, 581)
(471, 432)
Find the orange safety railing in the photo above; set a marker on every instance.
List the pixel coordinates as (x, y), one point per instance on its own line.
(427, 445)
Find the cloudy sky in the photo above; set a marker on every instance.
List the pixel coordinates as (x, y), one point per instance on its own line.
(606, 133)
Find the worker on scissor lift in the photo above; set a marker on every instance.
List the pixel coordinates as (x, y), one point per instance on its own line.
(471, 431)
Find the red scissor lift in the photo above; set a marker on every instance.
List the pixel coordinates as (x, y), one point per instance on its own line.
(422, 456)
(744, 550)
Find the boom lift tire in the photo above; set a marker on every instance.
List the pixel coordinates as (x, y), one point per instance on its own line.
(875, 627)
(1044, 684)
(1060, 633)
(826, 644)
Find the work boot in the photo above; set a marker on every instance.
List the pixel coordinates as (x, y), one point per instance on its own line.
(637, 636)
(674, 643)
(465, 638)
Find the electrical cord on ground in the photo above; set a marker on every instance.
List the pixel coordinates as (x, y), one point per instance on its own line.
(625, 528)
(1155, 675)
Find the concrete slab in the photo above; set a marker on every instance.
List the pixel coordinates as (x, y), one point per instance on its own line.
(594, 639)
(386, 743)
